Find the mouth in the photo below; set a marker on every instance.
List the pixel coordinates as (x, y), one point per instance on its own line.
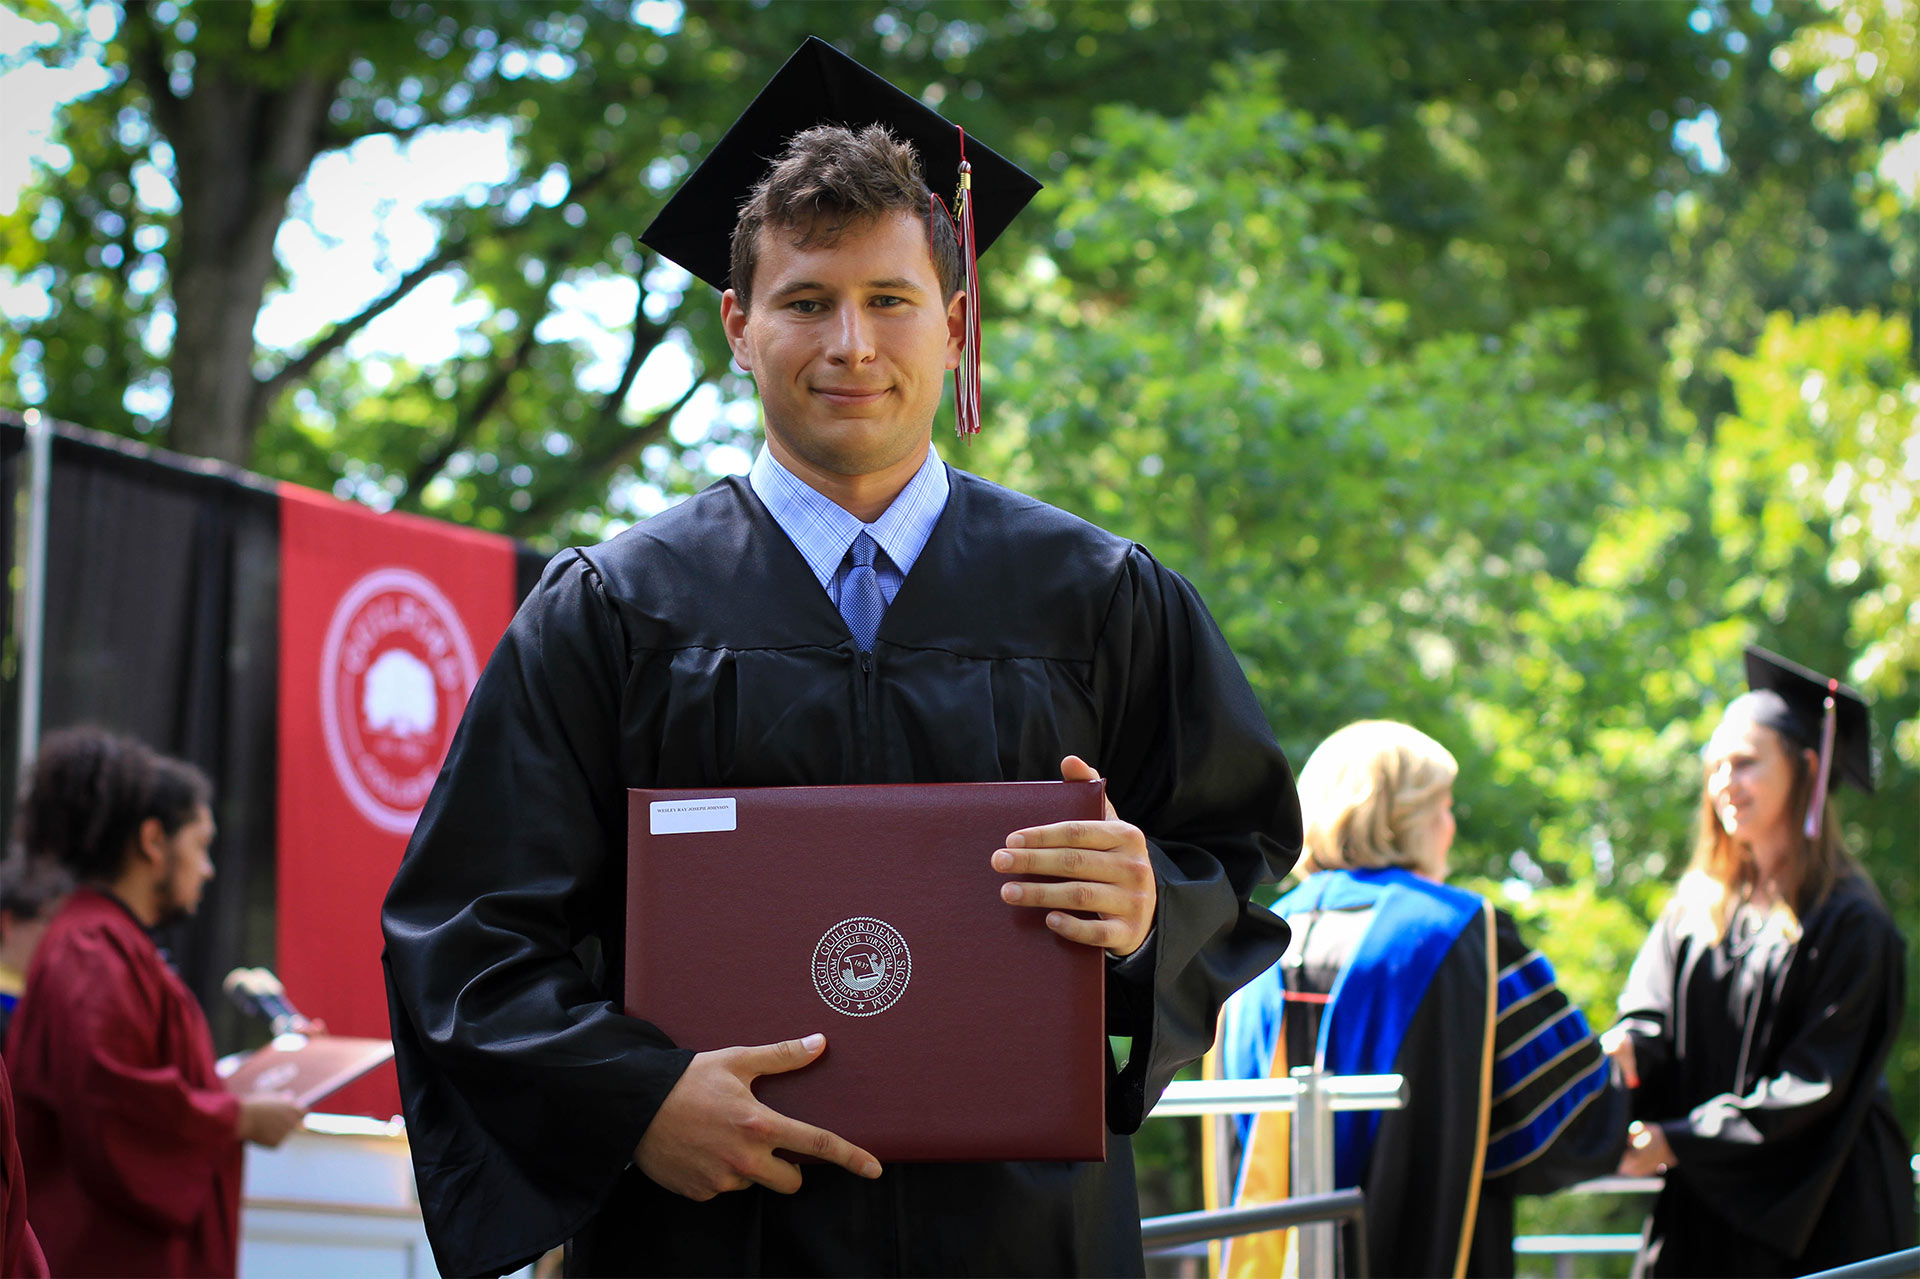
(851, 396)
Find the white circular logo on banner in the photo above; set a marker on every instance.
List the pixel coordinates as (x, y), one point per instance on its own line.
(862, 966)
(394, 676)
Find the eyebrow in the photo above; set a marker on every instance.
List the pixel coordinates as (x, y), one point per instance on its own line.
(893, 284)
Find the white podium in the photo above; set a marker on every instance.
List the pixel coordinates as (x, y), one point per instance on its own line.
(336, 1199)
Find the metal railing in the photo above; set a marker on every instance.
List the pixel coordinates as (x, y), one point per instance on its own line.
(1894, 1265)
(1315, 1208)
(1564, 1248)
(1177, 1235)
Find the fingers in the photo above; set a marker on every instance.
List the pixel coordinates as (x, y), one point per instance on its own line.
(1114, 933)
(1095, 852)
(827, 1147)
(1091, 896)
(775, 1131)
(777, 1059)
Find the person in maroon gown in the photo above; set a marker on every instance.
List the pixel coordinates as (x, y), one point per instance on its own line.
(20, 1254)
(132, 1147)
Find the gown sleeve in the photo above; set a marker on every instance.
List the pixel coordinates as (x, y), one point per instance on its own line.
(1190, 760)
(1559, 1113)
(1769, 1157)
(20, 1253)
(1646, 1009)
(526, 1089)
(146, 1140)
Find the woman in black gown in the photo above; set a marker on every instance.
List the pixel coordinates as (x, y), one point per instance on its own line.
(1756, 1024)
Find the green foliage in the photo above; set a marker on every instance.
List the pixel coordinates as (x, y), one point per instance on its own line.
(1466, 395)
(1195, 365)
(1817, 497)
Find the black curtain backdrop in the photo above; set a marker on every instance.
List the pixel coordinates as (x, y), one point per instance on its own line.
(163, 579)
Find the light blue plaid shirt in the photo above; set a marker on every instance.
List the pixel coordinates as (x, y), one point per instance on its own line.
(822, 530)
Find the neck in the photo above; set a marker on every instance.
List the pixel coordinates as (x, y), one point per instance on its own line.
(865, 497)
(1772, 863)
(136, 893)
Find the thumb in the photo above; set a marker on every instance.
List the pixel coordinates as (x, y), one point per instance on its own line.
(1075, 769)
(778, 1059)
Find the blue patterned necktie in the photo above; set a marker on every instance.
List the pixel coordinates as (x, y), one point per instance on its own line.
(861, 602)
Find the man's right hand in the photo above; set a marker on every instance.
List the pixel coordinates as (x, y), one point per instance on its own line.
(711, 1134)
(266, 1119)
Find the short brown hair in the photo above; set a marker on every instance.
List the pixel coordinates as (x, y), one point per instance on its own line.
(830, 179)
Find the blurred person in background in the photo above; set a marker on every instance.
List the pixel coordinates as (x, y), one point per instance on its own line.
(1758, 1017)
(1391, 971)
(31, 890)
(131, 1144)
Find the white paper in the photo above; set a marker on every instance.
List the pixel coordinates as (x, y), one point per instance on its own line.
(689, 816)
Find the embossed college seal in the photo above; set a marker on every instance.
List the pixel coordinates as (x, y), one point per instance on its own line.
(862, 966)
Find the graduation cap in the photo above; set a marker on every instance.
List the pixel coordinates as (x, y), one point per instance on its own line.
(1815, 712)
(821, 85)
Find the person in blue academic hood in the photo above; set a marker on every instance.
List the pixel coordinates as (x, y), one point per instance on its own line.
(1389, 970)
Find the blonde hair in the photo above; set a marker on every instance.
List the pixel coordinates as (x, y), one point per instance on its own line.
(1368, 796)
(1723, 871)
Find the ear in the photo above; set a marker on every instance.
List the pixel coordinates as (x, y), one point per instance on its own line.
(957, 328)
(733, 320)
(151, 846)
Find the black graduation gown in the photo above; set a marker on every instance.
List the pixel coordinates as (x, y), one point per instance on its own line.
(697, 649)
(1762, 1060)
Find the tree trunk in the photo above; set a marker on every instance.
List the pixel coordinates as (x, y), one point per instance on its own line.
(240, 148)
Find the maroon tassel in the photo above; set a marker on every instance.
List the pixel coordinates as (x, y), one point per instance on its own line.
(1816, 811)
(966, 375)
(966, 378)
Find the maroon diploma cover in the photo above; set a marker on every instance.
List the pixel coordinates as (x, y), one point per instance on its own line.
(958, 1027)
(308, 1066)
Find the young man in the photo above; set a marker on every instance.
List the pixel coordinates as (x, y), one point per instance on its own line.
(853, 612)
(130, 1142)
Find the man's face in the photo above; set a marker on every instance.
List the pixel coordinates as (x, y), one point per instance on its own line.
(187, 866)
(848, 342)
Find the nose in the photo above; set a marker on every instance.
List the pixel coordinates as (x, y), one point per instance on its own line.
(850, 341)
(1719, 780)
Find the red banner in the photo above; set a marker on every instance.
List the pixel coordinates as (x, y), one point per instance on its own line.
(385, 621)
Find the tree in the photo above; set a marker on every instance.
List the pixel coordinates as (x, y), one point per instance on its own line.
(155, 245)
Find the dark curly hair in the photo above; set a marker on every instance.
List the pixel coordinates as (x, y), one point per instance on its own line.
(88, 792)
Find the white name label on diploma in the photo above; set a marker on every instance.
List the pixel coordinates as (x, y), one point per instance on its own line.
(689, 816)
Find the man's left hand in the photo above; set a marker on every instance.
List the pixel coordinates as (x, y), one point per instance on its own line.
(1104, 871)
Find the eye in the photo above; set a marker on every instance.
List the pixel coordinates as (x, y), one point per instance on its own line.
(889, 300)
(806, 306)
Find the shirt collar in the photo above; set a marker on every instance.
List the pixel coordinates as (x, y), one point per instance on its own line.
(822, 530)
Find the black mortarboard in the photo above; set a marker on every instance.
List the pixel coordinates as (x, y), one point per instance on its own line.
(821, 85)
(1814, 711)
